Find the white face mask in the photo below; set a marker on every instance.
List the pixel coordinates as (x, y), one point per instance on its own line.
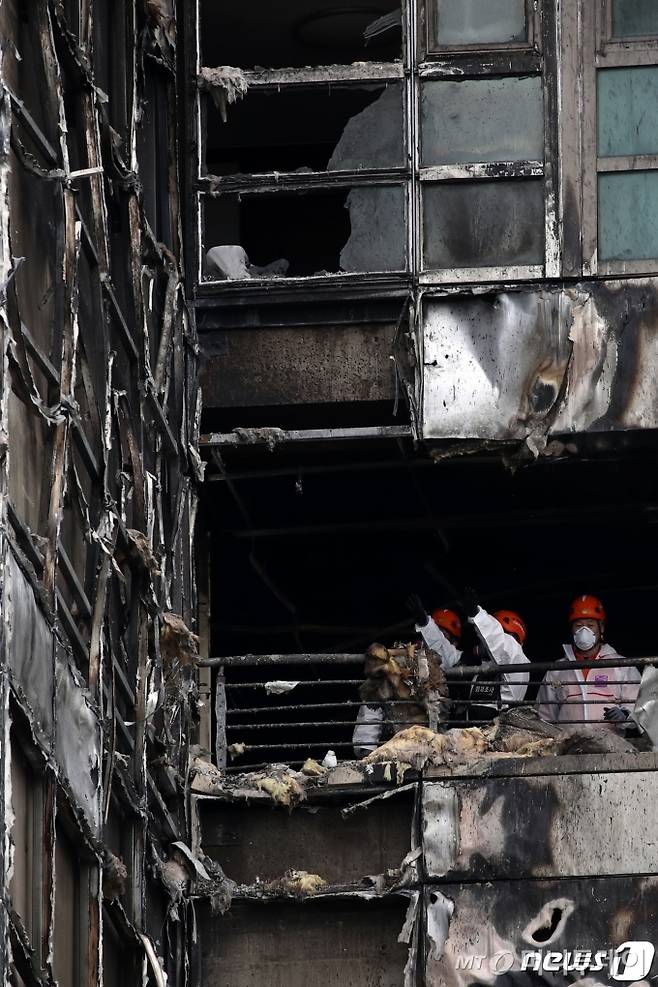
(584, 638)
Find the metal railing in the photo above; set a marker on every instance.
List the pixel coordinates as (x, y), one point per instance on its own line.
(286, 708)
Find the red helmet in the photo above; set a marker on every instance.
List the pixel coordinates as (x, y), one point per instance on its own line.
(449, 621)
(586, 608)
(512, 623)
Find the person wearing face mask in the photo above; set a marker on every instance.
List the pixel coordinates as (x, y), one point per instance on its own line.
(573, 694)
(499, 638)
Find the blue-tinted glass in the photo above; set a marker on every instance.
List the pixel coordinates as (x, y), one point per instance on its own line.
(482, 120)
(634, 18)
(628, 215)
(627, 111)
(483, 224)
(476, 22)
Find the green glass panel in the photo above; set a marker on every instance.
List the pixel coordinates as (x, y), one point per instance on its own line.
(634, 18)
(627, 111)
(628, 215)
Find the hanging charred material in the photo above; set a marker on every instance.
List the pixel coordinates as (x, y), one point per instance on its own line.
(98, 473)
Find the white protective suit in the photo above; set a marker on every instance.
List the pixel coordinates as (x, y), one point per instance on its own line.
(368, 730)
(562, 694)
(505, 650)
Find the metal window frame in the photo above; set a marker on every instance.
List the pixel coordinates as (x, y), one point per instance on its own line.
(200, 184)
(488, 171)
(278, 82)
(537, 57)
(601, 51)
(431, 48)
(473, 61)
(37, 839)
(640, 42)
(85, 906)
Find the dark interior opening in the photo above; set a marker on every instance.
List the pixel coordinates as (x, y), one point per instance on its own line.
(293, 33)
(279, 130)
(300, 234)
(327, 541)
(546, 932)
(283, 226)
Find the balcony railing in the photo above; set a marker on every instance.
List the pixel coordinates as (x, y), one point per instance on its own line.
(287, 708)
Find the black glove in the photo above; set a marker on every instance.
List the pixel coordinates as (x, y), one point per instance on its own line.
(476, 656)
(469, 601)
(414, 605)
(615, 714)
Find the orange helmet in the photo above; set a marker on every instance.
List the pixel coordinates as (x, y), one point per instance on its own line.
(449, 621)
(586, 608)
(512, 623)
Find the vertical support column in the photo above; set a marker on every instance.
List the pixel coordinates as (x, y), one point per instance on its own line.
(553, 191)
(587, 130)
(220, 715)
(5, 629)
(205, 674)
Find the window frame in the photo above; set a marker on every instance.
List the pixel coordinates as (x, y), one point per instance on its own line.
(600, 52)
(431, 48)
(36, 786)
(506, 62)
(201, 184)
(418, 66)
(85, 905)
(639, 43)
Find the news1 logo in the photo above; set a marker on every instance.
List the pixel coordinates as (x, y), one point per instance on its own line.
(631, 961)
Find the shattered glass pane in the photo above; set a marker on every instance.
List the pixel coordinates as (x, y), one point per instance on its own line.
(634, 18)
(628, 215)
(482, 120)
(483, 224)
(319, 128)
(627, 111)
(276, 234)
(476, 22)
(306, 32)
(377, 238)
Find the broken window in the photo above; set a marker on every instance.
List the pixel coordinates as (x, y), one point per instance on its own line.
(305, 233)
(280, 35)
(330, 99)
(272, 137)
(307, 129)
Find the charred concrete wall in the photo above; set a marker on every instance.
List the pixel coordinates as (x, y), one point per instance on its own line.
(495, 168)
(99, 410)
(469, 873)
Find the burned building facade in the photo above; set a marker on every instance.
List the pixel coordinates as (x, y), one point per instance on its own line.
(99, 472)
(407, 255)
(422, 253)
